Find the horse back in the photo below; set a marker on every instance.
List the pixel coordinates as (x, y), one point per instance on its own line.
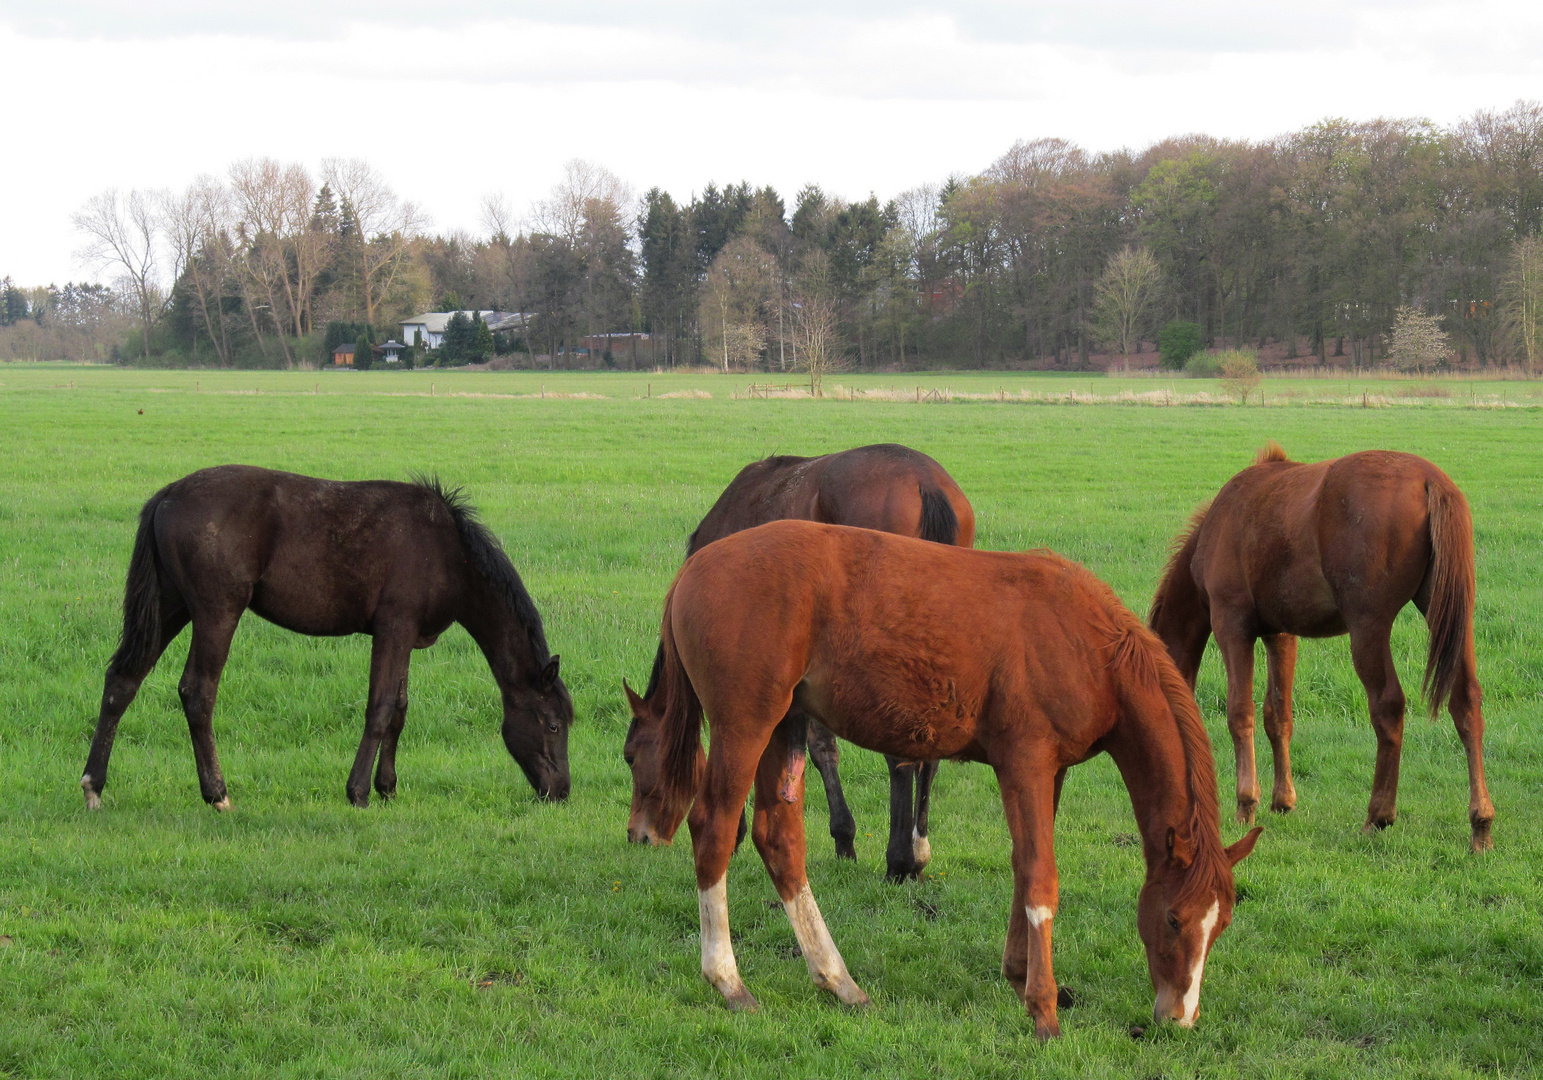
(315, 556)
(909, 648)
(885, 487)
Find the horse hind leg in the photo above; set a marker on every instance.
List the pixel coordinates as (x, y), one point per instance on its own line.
(825, 755)
(778, 833)
(119, 688)
(1281, 654)
(198, 689)
(1373, 657)
(1467, 712)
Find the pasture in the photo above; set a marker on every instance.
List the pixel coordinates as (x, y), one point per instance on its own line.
(466, 929)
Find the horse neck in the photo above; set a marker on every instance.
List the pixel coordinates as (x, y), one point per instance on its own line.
(503, 639)
(1149, 752)
(1179, 615)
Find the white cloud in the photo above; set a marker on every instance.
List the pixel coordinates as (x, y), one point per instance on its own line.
(859, 96)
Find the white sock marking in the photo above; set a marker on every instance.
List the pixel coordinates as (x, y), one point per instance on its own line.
(921, 848)
(718, 964)
(1039, 916)
(826, 967)
(1192, 995)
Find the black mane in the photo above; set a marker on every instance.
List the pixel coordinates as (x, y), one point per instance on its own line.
(488, 558)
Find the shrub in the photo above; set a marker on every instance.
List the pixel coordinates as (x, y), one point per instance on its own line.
(1202, 365)
(1177, 342)
(1240, 373)
(1418, 344)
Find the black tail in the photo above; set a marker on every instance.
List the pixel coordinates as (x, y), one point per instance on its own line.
(139, 647)
(939, 522)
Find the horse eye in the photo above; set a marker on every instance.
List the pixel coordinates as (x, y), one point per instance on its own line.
(1173, 922)
(552, 726)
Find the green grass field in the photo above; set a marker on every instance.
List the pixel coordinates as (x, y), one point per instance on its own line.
(466, 930)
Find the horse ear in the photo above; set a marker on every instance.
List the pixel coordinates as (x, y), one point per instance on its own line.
(1244, 847)
(635, 702)
(549, 673)
(1180, 849)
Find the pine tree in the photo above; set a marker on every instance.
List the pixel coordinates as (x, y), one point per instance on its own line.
(364, 352)
(480, 341)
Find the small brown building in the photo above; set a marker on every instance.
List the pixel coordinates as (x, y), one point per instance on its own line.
(343, 356)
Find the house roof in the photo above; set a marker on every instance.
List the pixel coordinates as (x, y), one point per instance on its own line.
(434, 322)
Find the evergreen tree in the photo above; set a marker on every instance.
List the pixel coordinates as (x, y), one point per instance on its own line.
(479, 341)
(455, 346)
(13, 303)
(364, 352)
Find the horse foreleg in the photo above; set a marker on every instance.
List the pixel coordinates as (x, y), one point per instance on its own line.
(714, 820)
(921, 847)
(900, 856)
(385, 771)
(826, 757)
(1373, 658)
(198, 689)
(1237, 649)
(1281, 656)
(778, 832)
(1028, 800)
(1468, 717)
(119, 688)
(388, 691)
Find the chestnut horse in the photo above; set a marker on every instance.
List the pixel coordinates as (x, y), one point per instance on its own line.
(886, 487)
(1024, 661)
(400, 562)
(1290, 550)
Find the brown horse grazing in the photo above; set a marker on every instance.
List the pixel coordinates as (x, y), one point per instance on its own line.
(400, 562)
(1290, 550)
(886, 487)
(1024, 661)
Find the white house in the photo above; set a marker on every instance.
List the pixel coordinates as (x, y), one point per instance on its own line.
(430, 326)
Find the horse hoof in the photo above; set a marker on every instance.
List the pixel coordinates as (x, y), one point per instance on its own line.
(741, 1000)
(1045, 1030)
(1482, 840)
(1374, 826)
(1246, 813)
(93, 800)
(845, 850)
(1282, 808)
(852, 994)
(223, 805)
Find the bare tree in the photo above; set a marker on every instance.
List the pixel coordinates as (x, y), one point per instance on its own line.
(737, 299)
(1124, 297)
(1522, 295)
(198, 226)
(816, 321)
(570, 206)
(386, 226)
(123, 233)
(1418, 342)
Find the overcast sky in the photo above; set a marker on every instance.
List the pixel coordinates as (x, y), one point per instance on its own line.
(462, 98)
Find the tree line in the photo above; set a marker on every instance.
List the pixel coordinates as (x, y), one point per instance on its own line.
(1311, 242)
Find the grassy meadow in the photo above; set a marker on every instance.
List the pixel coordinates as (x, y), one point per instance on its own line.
(466, 930)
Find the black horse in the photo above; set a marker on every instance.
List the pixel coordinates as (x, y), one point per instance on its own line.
(399, 562)
(886, 487)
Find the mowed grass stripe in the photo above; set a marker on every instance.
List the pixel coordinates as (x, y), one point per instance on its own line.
(467, 929)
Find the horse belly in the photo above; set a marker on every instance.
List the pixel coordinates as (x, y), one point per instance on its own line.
(1300, 603)
(918, 719)
(317, 607)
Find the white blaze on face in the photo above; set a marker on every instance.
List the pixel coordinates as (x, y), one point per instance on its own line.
(1192, 995)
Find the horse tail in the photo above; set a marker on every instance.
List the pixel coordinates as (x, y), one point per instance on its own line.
(939, 522)
(139, 644)
(681, 729)
(1450, 613)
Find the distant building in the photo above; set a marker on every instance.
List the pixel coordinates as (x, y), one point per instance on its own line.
(430, 326)
(390, 352)
(629, 347)
(343, 356)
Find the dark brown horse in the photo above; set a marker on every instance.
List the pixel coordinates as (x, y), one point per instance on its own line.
(400, 562)
(886, 487)
(1290, 550)
(1024, 661)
